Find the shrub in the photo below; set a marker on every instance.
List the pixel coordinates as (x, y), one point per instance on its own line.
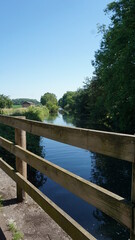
(36, 113)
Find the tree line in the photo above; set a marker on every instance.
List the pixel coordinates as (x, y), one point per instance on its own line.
(20, 101)
(107, 100)
(48, 99)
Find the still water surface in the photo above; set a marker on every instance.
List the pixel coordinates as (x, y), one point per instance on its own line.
(113, 175)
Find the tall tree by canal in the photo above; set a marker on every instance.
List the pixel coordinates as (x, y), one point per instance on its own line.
(107, 99)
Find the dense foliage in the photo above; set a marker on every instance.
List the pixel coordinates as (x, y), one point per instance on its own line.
(36, 113)
(107, 100)
(115, 65)
(33, 112)
(5, 101)
(50, 101)
(67, 102)
(19, 101)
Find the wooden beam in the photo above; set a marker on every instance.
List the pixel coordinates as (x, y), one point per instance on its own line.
(132, 232)
(21, 166)
(57, 214)
(108, 202)
(111, 144)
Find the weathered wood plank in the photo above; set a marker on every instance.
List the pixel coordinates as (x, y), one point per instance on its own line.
(132, 232)
(21, 166)
(57, 214)
(108, 202)
(111, 144)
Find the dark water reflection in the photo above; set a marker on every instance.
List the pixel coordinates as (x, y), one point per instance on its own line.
(112, 174)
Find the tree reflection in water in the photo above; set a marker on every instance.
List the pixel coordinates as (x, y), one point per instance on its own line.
(114, 175)
(34, 176)
(111, 174)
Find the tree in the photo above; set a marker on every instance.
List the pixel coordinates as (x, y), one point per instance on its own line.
(89, 108)
(115, 65)
(107, 100)
(67, 102)
(19, 101)
(48, 97)
(50, 101)
(5, 101)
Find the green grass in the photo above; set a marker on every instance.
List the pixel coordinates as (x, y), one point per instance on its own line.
(33, 112)
(17, 106)
(12, 227)
(12, 111)
(17, 235)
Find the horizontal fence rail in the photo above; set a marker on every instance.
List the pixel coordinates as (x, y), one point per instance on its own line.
(62, 218)
(121, 146)
(111, 144)
(108, 202)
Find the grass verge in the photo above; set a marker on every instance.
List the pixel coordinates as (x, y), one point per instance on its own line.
(17, 235)
(33, 112)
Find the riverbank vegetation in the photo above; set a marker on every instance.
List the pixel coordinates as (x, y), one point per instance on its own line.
(20, 101)
(34, 113)
(38, 113)
(107, 99)
(50, 101)
(5, 101)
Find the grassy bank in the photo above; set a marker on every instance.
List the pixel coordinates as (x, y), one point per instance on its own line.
(17, 106)
(32, 113)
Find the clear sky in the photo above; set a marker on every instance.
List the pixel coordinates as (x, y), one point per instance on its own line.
(48, 45)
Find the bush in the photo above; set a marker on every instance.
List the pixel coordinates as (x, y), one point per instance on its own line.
(5, 101)
(36, 113)
(53, 108)
(50, 101)
(33, 112)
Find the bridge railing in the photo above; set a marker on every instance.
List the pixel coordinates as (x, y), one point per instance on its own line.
(116, 145)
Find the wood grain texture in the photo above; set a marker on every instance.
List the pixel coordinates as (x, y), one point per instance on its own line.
(132, 232)
(57, 214)
(111, 144)
(108, 202)
(21, 166)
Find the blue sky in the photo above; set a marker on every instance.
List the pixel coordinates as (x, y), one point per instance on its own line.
(48, 45)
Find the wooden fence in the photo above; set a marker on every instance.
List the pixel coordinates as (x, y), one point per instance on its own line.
(116, 145)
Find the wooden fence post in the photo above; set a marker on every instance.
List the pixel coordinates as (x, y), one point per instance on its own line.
(21, 166)
(132, 233)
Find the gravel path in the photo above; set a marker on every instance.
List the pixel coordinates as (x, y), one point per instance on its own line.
(30, 219)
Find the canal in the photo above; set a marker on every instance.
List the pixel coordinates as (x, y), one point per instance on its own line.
(112, 174)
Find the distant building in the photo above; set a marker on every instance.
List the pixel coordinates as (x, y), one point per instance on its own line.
(27, 104)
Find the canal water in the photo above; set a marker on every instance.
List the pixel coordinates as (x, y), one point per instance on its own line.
(112, 174)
